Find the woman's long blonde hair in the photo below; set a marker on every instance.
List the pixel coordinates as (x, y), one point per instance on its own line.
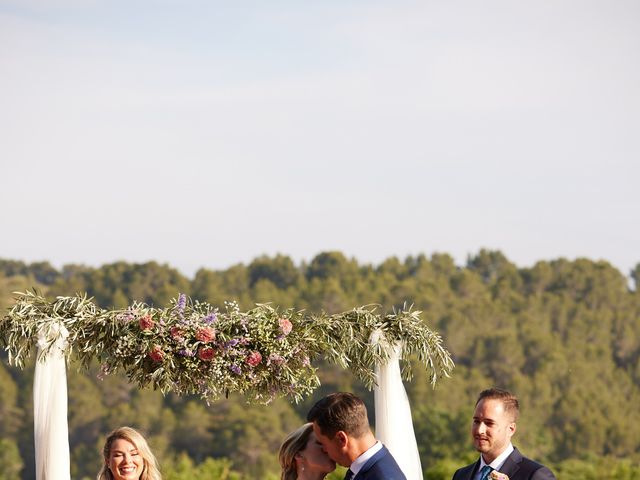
(295, 442)
(150, 470)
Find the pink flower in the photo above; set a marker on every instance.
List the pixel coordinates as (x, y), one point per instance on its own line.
(177, 334)
(146, 322)
(285, 325)
(253, 359)
(276, 359)
(206, 334)
(104, 371)
(206, 354)
(494, 475)
(156, 354)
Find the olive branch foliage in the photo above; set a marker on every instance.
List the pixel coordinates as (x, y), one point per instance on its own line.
(191, 347)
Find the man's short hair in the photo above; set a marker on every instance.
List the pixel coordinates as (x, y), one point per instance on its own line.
(509, 400)
(340, 411)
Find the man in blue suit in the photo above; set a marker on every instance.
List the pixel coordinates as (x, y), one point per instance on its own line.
(494, 423)
(341, 425)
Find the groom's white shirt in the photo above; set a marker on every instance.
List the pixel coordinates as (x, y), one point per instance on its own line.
(359, 462)
(497, 463)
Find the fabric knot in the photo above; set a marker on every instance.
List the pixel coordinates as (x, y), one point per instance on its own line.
(53, 333)
(349, 475)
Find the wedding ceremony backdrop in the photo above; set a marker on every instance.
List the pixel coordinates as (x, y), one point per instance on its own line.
(194, 348)
(562, 334)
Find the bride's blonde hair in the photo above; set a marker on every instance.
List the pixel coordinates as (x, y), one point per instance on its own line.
(295, 442)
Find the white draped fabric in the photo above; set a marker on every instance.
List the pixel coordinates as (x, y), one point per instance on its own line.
(50, 408)
(394, 427)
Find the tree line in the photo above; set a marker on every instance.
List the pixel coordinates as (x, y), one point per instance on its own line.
(564, 335)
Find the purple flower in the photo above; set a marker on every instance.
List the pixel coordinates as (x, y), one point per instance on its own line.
(186, 353)
(182, 302)
(235, 369)
(232, 343)
(211, 318)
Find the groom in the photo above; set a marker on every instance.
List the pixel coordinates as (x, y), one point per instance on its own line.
(341, 425)
(494, 423)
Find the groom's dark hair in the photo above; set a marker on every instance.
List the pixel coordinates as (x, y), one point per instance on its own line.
(340, 411)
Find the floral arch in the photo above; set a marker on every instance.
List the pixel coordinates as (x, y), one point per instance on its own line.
(191, 347)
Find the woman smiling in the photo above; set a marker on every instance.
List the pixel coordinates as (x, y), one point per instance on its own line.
(128, 457)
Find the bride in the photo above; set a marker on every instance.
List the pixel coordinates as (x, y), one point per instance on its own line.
(302, 458)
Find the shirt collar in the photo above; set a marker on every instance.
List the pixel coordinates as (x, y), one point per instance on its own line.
(499, 460)
(359, 462)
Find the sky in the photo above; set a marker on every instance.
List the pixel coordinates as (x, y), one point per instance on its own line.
(203, 134)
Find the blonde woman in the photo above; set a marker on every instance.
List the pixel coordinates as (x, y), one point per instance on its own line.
(302, 457)
(128, 457)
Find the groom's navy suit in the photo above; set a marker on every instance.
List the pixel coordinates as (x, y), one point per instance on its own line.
(516, 467)
(382, 466)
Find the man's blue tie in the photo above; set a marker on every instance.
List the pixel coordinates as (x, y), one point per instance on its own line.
(349, 475)
(484, 473)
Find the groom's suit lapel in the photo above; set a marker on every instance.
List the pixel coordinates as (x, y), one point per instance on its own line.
(379, 454)
(512, 464)
(472, 471)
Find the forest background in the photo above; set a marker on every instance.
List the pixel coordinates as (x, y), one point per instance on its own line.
(564, 335)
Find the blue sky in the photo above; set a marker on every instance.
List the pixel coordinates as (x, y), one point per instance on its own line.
(203, 134)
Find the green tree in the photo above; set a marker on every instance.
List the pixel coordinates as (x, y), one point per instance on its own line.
(193, 432)
(86, 411)
(183, 468)
(208, 286)
(334, 265)
(279, 270)
(635, 275)
(441, 433)
(10, 413)
(250, 435)
(10, 461)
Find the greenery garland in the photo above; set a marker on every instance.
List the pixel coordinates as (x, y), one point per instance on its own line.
(191, 347)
